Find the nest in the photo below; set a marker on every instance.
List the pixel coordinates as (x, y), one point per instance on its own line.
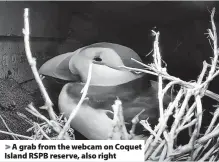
(185, 109)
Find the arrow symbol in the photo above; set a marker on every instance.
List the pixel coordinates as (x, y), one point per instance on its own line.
(7, 147)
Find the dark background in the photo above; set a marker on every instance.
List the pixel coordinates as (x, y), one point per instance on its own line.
(59, 27)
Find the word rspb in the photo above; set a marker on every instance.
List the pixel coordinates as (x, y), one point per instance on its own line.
(38, 156)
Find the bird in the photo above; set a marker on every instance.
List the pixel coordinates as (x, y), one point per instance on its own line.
(108, 82)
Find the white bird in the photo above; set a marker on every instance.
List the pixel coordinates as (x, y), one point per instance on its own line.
(108, 81)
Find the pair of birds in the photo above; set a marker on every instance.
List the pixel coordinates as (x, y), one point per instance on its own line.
(108, 82)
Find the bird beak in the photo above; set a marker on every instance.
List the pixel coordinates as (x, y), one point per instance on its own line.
(58, 67)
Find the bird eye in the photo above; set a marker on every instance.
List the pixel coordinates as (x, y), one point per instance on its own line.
(97, 59)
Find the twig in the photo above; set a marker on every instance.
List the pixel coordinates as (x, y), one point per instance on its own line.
(168, 86)
(53, 123)
(204, 148)
(214, 38)
(177, 120)
(186, 126)
(161, 126)
(32, 62)
(197, 89)
(165, 75)
(31, 109)
(119, 126)
(75, 110)
(157, 61)
(216, 115)
(43, 133)
(208, 136)
(163, 154)
(199, 112)
(135, 121)
(204, 69)
(146, 125)
(208, 153)
(18, 135)
(157, 150)
(189, 113)
(9, 130)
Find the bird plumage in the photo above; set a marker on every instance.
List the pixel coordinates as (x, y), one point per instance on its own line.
(108, 81)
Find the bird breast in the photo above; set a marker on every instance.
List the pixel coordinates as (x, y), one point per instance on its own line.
(98, 124)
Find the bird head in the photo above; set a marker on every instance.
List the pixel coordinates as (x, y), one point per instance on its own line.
(107, 59)
(108, 80)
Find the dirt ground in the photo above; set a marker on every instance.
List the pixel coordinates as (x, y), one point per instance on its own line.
(13, 101)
